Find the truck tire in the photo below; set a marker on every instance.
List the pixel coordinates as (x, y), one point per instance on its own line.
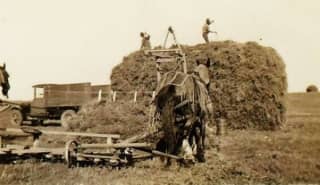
(66, 118)
(16, 117)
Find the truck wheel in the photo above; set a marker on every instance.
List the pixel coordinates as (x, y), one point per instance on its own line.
(16, 117)
(66, 117)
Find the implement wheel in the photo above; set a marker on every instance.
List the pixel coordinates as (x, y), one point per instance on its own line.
(66, 118)
(70, 153)
(16, 117)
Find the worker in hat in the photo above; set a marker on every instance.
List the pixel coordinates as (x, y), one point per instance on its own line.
(206, 30)
(145, 42)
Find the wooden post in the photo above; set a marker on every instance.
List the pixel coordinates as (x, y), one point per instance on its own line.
(109, 142)
(100, 95)
(185, 70)
(135, 97)
(221, 127)
(114, 96)
(0, 142)
(35, 93)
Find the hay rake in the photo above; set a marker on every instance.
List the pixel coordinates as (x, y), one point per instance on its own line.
(113, 152)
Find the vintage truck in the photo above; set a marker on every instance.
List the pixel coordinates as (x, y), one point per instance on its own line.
(54, 102)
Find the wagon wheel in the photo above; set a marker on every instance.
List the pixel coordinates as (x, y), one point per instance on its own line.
(16, 117)
(70, 152)
(66, 118)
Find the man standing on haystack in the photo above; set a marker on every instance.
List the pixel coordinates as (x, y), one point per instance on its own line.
(145, 42)
(206, 30)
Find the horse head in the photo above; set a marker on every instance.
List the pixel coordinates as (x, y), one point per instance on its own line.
(4, 80)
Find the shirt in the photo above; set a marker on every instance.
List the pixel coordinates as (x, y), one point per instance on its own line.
(205, 28)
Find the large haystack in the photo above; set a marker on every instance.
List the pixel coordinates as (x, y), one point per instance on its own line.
(248, 81)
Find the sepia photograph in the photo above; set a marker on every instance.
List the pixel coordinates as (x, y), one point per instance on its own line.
(159, 92)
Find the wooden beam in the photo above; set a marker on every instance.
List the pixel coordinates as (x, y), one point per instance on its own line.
(13, 134)
(136, 138)
(142, 156)
(158, 153)
(117, 145)
(47, 132)
(114, 136)
(94, 156)
(166, 60)
(162, 50)
(37, 151)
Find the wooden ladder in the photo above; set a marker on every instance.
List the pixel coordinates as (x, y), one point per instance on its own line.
(165, 55)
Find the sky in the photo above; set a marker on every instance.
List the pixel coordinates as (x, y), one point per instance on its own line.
(70, 41)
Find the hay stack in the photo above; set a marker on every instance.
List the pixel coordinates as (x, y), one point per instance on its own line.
(312, 88)
(248, 81)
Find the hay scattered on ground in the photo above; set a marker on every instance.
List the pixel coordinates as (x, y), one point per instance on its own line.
(121, 117)
(312, 88)
(248, 81)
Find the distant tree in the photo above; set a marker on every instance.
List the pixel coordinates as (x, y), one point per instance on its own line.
(312, 88)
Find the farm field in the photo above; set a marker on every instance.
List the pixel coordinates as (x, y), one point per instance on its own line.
(289, 155)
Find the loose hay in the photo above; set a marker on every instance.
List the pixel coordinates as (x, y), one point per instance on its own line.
(121, 117)
(248, 81)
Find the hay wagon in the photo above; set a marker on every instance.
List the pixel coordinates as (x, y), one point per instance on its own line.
(54, 102)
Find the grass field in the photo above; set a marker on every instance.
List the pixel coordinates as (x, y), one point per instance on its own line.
(289, 155)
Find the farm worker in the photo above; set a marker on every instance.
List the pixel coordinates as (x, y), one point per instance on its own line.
(4, 82)
(145, 42)
(202, 71)
(206, 30)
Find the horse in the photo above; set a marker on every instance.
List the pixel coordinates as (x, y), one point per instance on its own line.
(4, 81)
(182, 104)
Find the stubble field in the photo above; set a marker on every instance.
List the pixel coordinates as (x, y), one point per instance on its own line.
(288, 155)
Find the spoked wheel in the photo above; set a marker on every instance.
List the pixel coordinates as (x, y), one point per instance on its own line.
(71, 152)
(16, 117)
(66, 118)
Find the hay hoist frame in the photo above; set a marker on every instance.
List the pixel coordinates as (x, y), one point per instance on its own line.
(165, 55)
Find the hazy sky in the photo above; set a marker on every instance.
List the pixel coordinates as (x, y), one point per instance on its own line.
(64, 41)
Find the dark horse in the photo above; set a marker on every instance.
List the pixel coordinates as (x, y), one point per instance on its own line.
(4, 80)
(181, 106)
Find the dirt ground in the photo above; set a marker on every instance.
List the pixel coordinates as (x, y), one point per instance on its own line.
(289, 155)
